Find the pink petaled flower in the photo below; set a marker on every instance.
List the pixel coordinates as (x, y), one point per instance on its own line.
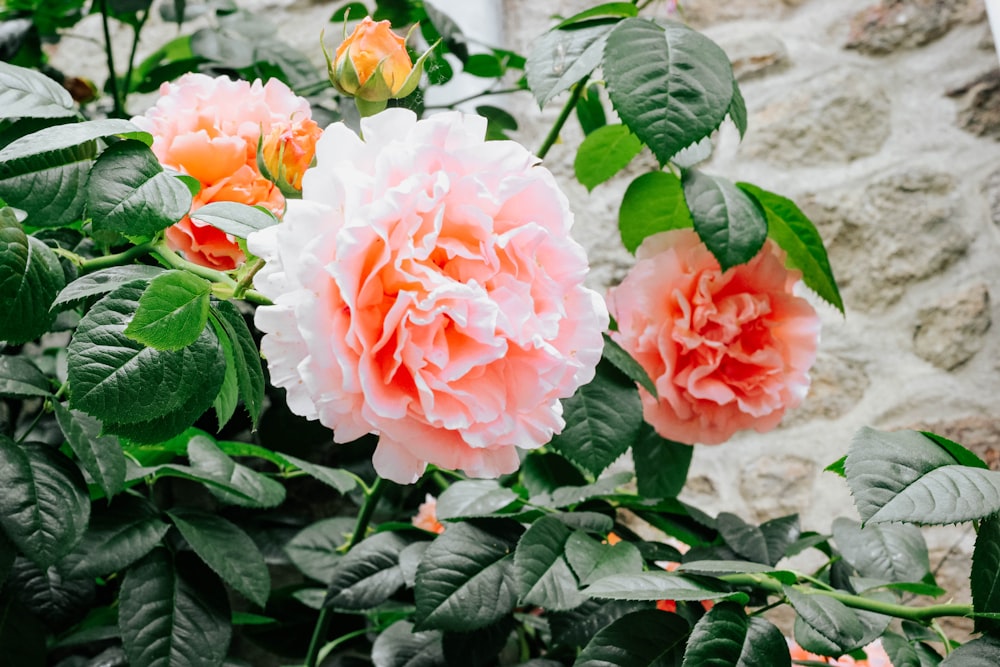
(874, 652)
(209, 128)
(426, 289)
(726, 350)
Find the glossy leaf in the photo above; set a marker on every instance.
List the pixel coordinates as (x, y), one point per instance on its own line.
(479, 648)
(798, 237)
(647, 638)
(981, 652)
(603, 153)
(670, 84)
(462, 567)
(656, 586)
(729, 222)
(836, 625)
(577, 627)
(19, 378)
(602, 420)
(890, 552)
(661, 465)
(624, 362)
(590, 109)
(228, 397)
(543, 576)
(473, 498)
(58, 600)
(234, 218)
(565, 496)
(400, 646)
(100, 455)
(961, 455)
(560, 58)
(316, 549)
(985, 576)
(169, 618)
(26, 93)
(227, 550)
(128, 192)
(19, 153)
(340, 480)
(172, 311)
(726, 637)
(50, 189)
(543, 472)
(592, 561)
(779, 534)
(104, 281)
(604, 10)
(116, 537)
(30, 278)
(256, 489)
(737, 111)
(44, 507)
(652, 203)
(368, 574)
(246, 356)
(745, 539)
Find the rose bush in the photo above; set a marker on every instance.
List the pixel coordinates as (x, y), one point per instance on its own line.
(426, 289)
(726, 350)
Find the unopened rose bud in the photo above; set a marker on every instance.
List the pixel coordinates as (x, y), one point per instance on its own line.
(288, 151)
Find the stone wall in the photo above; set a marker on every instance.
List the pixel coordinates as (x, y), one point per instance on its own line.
(880, 117)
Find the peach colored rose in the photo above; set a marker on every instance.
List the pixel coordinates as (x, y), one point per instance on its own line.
(372, 45)
(288, 151)
(426, 517)
(208, 128)
(876, 656)
(727, 351)
(426, 289)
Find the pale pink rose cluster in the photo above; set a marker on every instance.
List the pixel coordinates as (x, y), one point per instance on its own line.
(426, 289)
(727, 351)
(208, 128)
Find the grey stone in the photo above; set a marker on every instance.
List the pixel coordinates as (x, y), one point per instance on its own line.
(836, 117)
(979, 105)
(837, 385)
(891, 25)
(978, 433)
(706, 12)
(753, 53)
(991, 190)
(774, 486)
(951, 332)
(871, 235)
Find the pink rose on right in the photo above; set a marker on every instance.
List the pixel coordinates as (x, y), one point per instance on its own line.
(727, 351)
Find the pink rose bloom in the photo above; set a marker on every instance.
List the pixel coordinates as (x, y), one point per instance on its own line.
(426, 289)
(727, 351)
(208, 128)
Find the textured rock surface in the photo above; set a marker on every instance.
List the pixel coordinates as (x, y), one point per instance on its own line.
(949, 333)
(979, 105)
(775, 486)
(899, 24)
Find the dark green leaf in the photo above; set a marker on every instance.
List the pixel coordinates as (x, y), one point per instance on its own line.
(644, 638)
(172, 311)
(982, 652)
(591, 522)
(661, 465)
(19, 153)
(737, 111)
(543, 576)
(985, 577)
(121, 381)
(833, 624)
(207, 458)
(607, 9)
(590, 109)
(837, 467)
(560, 58)
(479, 648)
(718, 567)
(104, 281)
(499, 122)
(797, 236)
(591, 560)
(409, 561)
(229, 394)
(128, 192)
(571, 495)
(670, 84)
(19, 378)
(576, 627)
(25, 93)
(652, 203)
(316, 549)
(100, 455)
(352, 10)
(962, 455)
(234, 218)
(603, 153)
(50, 189)
(729, 222)
(743, 538)
(485, 65)
(227, 550)
(249, 374)
(58, 600)
(779, 534)
(341, 480)
(44, 507)
(543, 472)
(656, 585)
(602, 420)
(624, 362)
(30, 278)
(889, 552)
(368, 574)
(462, 567)
(170, 618)
(725, 637)
(473, 498)
(117, 536)
(400, 646)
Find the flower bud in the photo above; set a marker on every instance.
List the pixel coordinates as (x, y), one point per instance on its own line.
(288, 151)
(372, 50)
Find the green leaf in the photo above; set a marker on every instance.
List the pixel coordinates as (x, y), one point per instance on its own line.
(725, 637)
(985, 576)
(56, 599)
(729, 222)
(745, 539)
(962, 455)
(340, 480)
(120, 381)
(100, 455)
(316, 549)
(473, 498)
(479, 648)
(831, 621)
(485, 65)
(603, 153)
(19, 378)
(717, 567)
(982, 652)
(602, 420)
(104, 281)
(652, 203)
(591, 560)
(590, 109)
(888, 552)
(172, 618)
(646, 638)
(51, 189)
(17, 154)
(737, 111)
(499, 122)
(624, 362)
(353, 10)
(670, 84)
(368, 574)
(661, 465)
(543, 576)
(400, 646)
(462, 567)
(246, 356)
(779, 534)
(116, 537)
(26, 93)
(796, 234)
(571, 495)
(656, 586)
(207, 458)
(906, 476)
(576, 627)
(44, 507)
(229, 394)
(234, 218)
(227, 550)
(30, 278)
(128, 192)
(591, 522)
(608, 9)
(544, 472)
(837, 467)
(560, 58)
(172, 311)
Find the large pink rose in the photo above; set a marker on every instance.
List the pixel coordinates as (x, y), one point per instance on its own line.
(426, 289)
(727, 350)
(209, 128)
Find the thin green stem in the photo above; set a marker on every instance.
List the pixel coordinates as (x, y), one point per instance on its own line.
(462, 100)
(936, 627)
(244, 283)
(118, 259)
(372, 496)
(253, 296)
(118, 110)
(553, 135)
(173, 260)
(131, 57)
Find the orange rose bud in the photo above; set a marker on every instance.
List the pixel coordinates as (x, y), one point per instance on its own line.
(288, 151)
